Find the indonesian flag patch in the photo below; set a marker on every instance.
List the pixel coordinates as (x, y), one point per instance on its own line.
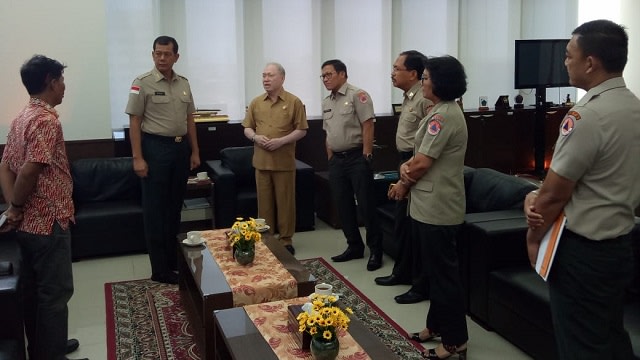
(434, 125)
(135, 89)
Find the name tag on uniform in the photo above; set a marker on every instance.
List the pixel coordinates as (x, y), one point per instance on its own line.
(160, 93)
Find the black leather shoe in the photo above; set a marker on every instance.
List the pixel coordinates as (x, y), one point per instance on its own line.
(410, 297)
(349, 254)
(166, 278)
(290, 249)
(375, 262)
(390, 280)
(72, 345)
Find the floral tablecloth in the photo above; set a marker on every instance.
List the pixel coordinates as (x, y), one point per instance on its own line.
(262, 281)
(271, 319)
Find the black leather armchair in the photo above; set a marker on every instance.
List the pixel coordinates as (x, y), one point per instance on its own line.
(12, 329)
(108, 202)
(235, 188)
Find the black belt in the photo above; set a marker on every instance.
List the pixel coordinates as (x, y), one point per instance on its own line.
(346, 153)
(173, 139)
(405, 155)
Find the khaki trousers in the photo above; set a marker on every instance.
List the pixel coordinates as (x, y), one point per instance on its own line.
(277, 201)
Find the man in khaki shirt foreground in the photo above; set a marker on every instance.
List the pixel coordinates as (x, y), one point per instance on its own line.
(274, 122)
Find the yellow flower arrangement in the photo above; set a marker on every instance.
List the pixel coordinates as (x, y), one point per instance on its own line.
(321, 318)
(244, 234)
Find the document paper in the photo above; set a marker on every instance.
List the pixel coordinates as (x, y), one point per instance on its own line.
(548, 246)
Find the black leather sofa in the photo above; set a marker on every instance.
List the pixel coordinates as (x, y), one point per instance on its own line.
(235, 188)
(107, 199)
(517, 299)
(503, 293)
(12, 345)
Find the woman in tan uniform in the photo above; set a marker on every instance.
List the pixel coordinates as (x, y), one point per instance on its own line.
(433, 178)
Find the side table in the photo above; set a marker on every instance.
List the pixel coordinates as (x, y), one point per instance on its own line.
(200, 217)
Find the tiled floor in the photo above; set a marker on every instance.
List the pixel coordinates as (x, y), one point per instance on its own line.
(87, 309)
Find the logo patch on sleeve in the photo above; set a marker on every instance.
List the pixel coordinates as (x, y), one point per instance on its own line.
(568, 123)
(135, 89)
(362, 96)
(434, 125)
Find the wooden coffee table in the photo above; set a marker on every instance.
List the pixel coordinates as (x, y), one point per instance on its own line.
(240, 339)
(204, 288)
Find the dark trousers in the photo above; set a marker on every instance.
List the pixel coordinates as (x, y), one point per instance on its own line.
(348, 176)
(163, 193)
(408, 265)
(587, 286)
(48, 286)
(403, 267)
(447, 311)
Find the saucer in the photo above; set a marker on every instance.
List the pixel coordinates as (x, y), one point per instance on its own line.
(185, 242)
(263, 228)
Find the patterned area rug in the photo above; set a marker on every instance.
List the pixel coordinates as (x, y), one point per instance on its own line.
(145, 319)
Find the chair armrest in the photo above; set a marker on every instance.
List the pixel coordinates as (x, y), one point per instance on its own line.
(225, 192)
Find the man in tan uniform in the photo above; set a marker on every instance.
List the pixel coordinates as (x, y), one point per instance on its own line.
(406, 73)
(274, 122)
(348, 121)
(164, 148)
(595, 179)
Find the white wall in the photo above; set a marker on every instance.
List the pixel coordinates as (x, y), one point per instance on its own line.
(73, 32)
(480, 32)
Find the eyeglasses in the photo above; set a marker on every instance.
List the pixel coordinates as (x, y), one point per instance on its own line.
(160, 54)
(395, 69)
(423, 78)
(327, 76)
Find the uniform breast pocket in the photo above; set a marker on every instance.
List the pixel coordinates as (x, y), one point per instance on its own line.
(426, 186)
(327, 115)
(413, 117)
(347, 109)
(185, 99)
(160, 99)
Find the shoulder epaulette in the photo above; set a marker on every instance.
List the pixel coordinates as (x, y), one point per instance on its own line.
(144, 75)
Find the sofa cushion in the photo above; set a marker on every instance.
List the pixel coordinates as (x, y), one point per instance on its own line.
(103, 179)
(492, 190)
(240, 161)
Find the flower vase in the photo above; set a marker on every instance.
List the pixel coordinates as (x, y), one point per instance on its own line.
(322, 349)
(245, 255)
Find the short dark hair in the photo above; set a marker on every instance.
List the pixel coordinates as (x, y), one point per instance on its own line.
(447, 76)
(338, 65)
(166, 40)
(605, 40)
(38, 71)
(414, 60)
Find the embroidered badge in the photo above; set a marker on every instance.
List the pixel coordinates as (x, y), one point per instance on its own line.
(135, 89)
(567, 125)
(435, 125)
(362, 96)
(575, 115)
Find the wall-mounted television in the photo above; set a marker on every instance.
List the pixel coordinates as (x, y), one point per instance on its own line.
(540, 64)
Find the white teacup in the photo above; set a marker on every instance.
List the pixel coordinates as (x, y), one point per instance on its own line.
(194, 237)
(324, 289)
(202, 175)
(260, 222)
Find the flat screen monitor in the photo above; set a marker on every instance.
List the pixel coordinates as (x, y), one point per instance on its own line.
(540, 64)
